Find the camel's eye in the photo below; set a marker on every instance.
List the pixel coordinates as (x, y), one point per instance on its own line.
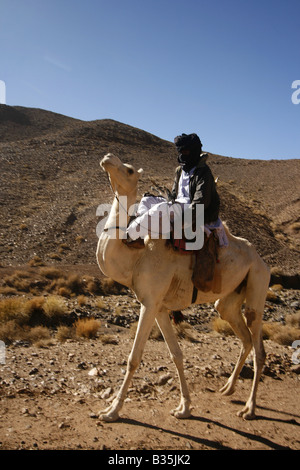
(130, 171)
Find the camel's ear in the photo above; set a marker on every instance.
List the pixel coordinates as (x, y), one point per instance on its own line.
(140, 171)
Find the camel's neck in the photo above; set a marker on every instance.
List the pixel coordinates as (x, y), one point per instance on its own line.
(118, 219)
(114, 258)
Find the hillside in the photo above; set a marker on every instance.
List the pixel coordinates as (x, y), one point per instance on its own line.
(51, 185)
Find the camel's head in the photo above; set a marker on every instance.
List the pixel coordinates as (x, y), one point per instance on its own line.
(123, 177)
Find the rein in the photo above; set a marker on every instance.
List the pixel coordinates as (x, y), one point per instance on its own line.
(106, 229)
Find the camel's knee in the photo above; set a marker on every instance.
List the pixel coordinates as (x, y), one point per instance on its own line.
(133, 363)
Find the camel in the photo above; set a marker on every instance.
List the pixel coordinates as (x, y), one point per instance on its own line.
(161, 281)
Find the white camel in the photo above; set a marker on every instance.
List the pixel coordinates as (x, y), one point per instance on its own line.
(161, 281)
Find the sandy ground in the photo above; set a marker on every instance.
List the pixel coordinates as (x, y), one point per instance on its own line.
(51, 396)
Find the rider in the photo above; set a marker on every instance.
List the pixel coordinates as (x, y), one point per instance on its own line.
(194, 184)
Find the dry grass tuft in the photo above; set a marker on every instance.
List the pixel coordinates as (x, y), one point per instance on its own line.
(52, 273)
(108, 339)
(64, 333)
(273, 297)
(82, 300)
(293, 320)
(13, 309)
(36, 261)
(10, 331)
(281, 334)
(87, 327)
(54, 308)
(222, 327)
(185, 331)
(36, 335)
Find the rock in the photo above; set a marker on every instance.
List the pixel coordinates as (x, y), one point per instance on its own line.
(106, 393)
(93, 372)
(246, 372)
(296, 368)
(163, 379)
(295, 305)
(82, 365)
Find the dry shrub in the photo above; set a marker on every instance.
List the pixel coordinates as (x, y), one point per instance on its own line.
(52, 273)
(75, 283)
(64, 292)
(54, 256)
(34, 305)
(293, 320)
(10, 331)
(21, 284)
(185, 331)
(36, 261)
(108, 339)
(36, 334)
(222, 327)
(8, 290)
(273, 297)
(109, 286)
(87, 327)
(22, 274)
(93, 285)
(54, 308)
(67, 285)
(281, 334)
(13, 309)
(277, 287)
(64, 333)
(82, 300)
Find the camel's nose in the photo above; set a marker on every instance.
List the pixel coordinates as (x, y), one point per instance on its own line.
(109, 159)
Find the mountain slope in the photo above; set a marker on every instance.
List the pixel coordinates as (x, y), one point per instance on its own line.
(51, 185)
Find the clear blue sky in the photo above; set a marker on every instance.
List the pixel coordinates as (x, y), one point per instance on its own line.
(220, 68)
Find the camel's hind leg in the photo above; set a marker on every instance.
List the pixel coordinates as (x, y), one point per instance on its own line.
(164, 323)
(257, 286)
(229, 309)
(146, 321)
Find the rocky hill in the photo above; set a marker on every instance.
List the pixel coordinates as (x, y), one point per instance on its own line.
(51, 185)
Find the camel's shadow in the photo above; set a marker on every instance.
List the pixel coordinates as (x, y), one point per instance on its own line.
(216, 444)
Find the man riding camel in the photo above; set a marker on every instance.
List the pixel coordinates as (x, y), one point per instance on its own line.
(194, 184)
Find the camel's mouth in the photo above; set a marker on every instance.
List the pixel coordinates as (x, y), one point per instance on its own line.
(108, 160)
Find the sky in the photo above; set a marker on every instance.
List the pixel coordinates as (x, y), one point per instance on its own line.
(223, 69)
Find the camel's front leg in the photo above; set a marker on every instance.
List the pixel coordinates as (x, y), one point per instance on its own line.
(164, 323)
(146, 320)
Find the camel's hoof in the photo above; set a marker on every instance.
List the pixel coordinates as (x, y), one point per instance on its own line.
(181, 414)
(227, 390)
(246, 414)
(109, 417)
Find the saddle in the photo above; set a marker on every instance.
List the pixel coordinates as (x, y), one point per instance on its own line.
(206, 270)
